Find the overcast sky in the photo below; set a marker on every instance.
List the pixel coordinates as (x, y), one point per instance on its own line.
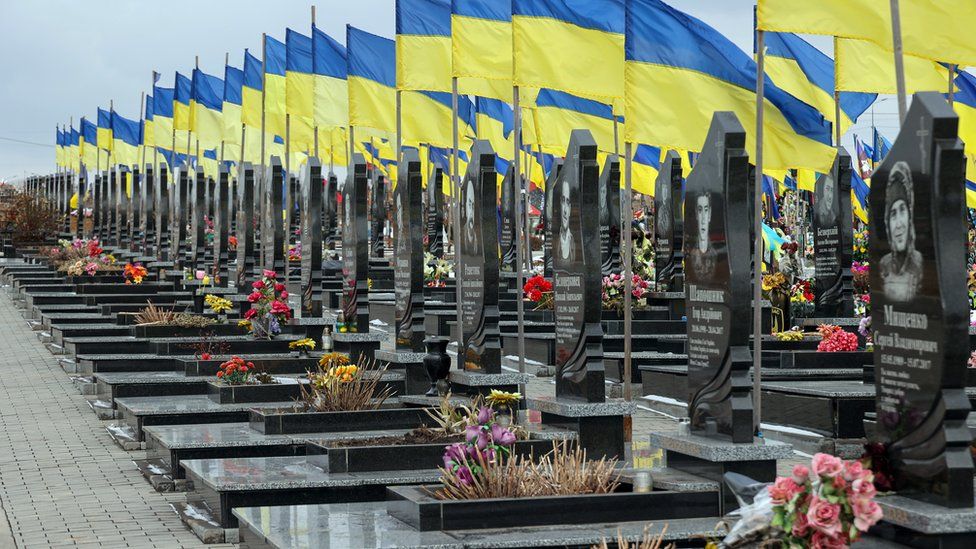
(64, 58)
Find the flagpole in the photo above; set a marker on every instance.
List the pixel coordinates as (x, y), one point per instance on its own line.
(952, 89)
(626, 217)
(264, 91)
(526, 203)
(315, 129)
(456, 196)
(836, 118)
(757, 227)
(519, 248)
(899, 59)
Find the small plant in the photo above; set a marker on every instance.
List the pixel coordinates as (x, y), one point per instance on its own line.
(206, 347)
(188, 320)
(133, 273)
(835, 339)
(154, 315)
(217, 304)
(235, 371)
(827, 505)
(794, 334)
(305, 344)
(345, 387)
(539, 291)
(453, 419)
(264, 378)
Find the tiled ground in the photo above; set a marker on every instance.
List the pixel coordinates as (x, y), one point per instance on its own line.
(63, 482)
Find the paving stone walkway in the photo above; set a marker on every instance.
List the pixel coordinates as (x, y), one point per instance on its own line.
(63, 482)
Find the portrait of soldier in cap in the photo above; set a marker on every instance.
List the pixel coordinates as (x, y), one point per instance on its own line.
(901, 268)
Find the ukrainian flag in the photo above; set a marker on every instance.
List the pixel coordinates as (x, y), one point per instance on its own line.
(206, 109)
(181, 102)
(163, 116)
(233, 82)
(74, 155)
(806, 179)
(89, 143)
(331, 88)
(559, 113)
(481, 47)
(550, 36)
(936, 30)
(880, 143)
(423, 45)
(105, 129)
(646, 165)
(126, 140)
(300, 95)
(148, 127)
(867, 67)
(371, 66)
(964, 104)
(859, 196)
(680, 72)
(275, 88)
(426, 118)
(59, 147)
(805, 72)
(251, 97)
(495, 122)
(209, 163)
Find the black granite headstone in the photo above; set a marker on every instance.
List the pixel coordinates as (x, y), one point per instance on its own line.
(547, 219)
(147, 218)
(97, 211)
(109, 180)
(330, 220)
(178, 216)
(310, 185)
(435, 213)
(273, 222)
(133, 207)
(577, 266)
(198, 235)
(919, 306)
(833, 240)
(408, 245)
(479, 263)
(378, 214)
(121, 205)
(355, 248)
(668, 230)
(221, 221)
(508, 239)
(717, 263)
(609, 198)
(161, 211)
(245, 226)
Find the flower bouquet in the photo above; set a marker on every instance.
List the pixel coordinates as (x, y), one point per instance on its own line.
(217, 304)
(835, 339)
(613, 291)
(133, 273)
(235, 371)
(303, 345)
(539, 291)
(269, 306)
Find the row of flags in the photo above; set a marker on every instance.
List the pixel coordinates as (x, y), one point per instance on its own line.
(633, 72)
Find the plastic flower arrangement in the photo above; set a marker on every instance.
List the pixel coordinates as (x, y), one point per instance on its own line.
(828, 504)
(835, 339)
(539, 291)
(775, 282)
(133, 273)
(217, 304)
(208, 231)
(794, 334)
(861, 273)
(486, 443)
(295, 252)
(232, 242)
(502, 398)
(269, 306)
(861, 240)
(642, 261)
(436, 271)
(244, 323)
(613, 291)
(800, 292)
(304, 344)
(235, 371)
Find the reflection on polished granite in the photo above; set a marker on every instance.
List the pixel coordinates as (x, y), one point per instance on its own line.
(186, 403)
(240, 434)
(114, 378)
(368, 526)
(284, 473)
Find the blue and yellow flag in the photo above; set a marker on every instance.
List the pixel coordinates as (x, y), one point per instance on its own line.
(865, 66)
(74, 145)
(495, 122)
(126, 140)
(880, 144)
(206, 109)
(807, 73)
(371, 66)
(233, 82)
(550, 36)
(481, 47)
(59, 147)
(88, 144)
(331, 89)
(859, 196)
(275, 88)
(251, 90)
(680, 71)
(104, 129)
(181, 102)
(936, 30)
(163, 116)
(148, 123)
(423, 45)
(426, 118)
(300, 93)
(646, 165)
(559, 113)
(964, 104)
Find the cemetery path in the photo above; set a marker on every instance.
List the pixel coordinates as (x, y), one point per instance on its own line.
(63, 482)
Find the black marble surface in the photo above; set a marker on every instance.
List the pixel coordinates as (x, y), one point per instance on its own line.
(668, 224)
(408, 272)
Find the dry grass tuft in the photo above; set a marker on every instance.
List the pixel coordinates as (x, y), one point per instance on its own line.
(647, 541)
(155, 315)
(345, 388)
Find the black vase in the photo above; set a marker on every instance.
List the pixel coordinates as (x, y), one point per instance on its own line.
(437, 363)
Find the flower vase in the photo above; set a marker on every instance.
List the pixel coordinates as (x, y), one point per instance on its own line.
(261, 328)
(505, 415)
(437, 363)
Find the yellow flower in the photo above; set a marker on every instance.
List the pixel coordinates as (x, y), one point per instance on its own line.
(244, 324)
(502, 398)
(333, 359)
(306, 343)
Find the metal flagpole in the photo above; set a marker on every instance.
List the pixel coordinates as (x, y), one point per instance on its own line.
(952, 89)
(190, 131)
(520, 246)
(757, 227)
(455, 197)
(899, 59)
(315, 129)
(836, 118)
(626, 217)
(525, 206)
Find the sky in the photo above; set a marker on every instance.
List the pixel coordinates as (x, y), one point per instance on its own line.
(63, 58)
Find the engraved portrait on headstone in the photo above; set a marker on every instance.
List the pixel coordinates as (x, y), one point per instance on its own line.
(901, 268)
(702, 256)
(566, 243)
